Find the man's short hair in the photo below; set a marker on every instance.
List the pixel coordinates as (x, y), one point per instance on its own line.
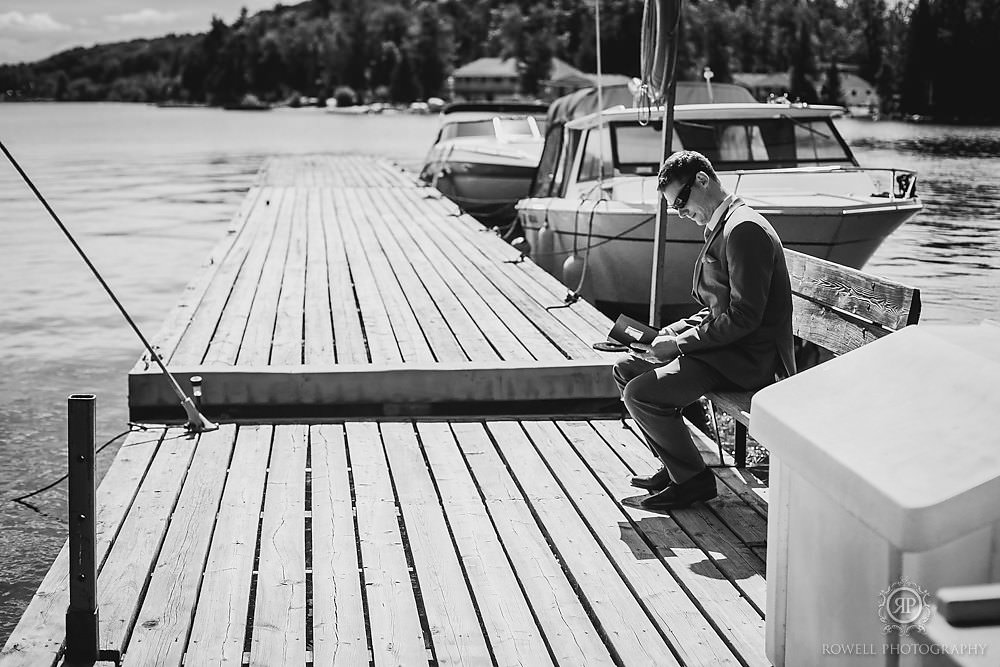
(681, 166)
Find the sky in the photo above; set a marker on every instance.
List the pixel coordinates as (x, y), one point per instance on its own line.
(34, 29)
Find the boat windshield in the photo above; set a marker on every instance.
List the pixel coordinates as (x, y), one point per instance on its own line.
(507, 127)
(520, 127)
(469, 128)
(731, 144)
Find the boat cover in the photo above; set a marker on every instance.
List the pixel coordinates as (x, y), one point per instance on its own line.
(583, 102)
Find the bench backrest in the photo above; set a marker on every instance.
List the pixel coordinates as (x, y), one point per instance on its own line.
(841, 309)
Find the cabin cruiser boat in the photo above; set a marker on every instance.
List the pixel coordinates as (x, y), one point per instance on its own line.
(590, 220)
(485, 155)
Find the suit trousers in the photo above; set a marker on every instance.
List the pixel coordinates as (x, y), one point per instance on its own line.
(655, 394)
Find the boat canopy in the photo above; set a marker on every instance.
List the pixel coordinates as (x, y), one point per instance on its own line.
(584, 102)
(733, 142)
(736, 135)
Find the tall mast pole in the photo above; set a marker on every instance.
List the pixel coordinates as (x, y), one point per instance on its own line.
(660, 238)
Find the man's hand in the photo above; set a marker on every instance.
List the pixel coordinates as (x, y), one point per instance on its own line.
(662, 350)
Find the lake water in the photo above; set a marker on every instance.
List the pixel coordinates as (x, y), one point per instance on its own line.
(148, 192)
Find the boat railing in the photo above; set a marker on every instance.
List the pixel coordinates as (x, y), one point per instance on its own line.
(868, 182)
(891, 183)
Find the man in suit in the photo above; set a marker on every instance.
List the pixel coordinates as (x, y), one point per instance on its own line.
(741, 338)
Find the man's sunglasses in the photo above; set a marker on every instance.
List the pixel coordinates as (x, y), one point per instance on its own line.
(684, 194)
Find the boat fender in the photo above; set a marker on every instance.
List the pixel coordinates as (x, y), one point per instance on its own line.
(544, 240)
(522, 246)
(572, 271)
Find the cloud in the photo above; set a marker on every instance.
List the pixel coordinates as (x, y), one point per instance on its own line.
(33, 23)
(143, 17)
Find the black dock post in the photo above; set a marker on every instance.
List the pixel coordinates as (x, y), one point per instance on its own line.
(82, 644)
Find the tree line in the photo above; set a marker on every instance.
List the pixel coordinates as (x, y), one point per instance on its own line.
(927, 57)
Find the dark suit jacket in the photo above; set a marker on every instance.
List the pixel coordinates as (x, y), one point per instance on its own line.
(745, 328)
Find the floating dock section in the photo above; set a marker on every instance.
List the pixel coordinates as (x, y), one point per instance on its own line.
(345, 290)
(407, 473)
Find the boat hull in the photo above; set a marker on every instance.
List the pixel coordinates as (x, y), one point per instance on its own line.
(489, 192)
(620, 240)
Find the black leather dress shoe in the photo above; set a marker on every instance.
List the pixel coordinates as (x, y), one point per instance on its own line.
(699, 488)
(658, 481)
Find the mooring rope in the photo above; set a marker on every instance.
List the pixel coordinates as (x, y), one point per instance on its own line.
(609, 239)
(20, 499)
(133, 428)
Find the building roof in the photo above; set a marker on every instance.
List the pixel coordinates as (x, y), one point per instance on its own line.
(850, 81)
(561, 69)
(507, 67)
(779, 80)
(494, 67)
(584, 80)
(767, 80)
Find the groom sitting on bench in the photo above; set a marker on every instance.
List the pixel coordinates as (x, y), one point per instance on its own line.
(740, 339)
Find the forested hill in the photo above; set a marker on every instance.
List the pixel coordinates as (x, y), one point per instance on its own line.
(924, 56)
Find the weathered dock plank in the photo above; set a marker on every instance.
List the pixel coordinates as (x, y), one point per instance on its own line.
(499, 315)
(396, 634)
(584, 319)
(339, 635)
(445, 322)
(724, 548)
(690, 634)
(352, 342)
(235, 243)
(318, 343)
(169, 602)
(485, 306)
(279, 613)
(534, 300)
(724, 607)
(487, 494)
(124, 575)
(379, 333)
(289, 335)
(220, 619)
(250, 243)
(246, 332)
(413, 342)
(623, 617)
(447, 600)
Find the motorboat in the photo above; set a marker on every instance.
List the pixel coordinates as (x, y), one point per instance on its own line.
(485, 155)
(590, 219)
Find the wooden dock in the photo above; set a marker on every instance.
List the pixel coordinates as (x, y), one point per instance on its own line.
(386, 539)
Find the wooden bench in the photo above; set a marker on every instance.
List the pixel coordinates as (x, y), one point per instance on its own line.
(836, 308)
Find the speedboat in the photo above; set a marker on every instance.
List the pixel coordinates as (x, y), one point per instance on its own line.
(485, 155)
(590, 220)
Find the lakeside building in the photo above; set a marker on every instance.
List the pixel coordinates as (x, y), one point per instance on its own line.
(492, 79)
(859, 96)
(486, 79)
